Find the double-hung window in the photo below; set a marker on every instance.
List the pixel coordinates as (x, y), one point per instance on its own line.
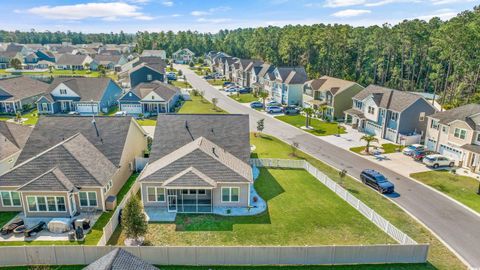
(88, 199)
(460, 133)
(10, 199)
(46, 204)
(230, 194)
(155, 194)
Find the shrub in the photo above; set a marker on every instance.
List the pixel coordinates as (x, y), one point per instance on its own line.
(133, 219)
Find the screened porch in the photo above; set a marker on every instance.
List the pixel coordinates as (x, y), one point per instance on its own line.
(189, 200)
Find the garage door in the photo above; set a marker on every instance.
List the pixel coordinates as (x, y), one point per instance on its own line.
(131, 108)
(87, 108)
(450, 152)
(372, 129)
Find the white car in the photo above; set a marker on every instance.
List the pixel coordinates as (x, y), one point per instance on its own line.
(437, 160)
(409, 150)
(120, 113)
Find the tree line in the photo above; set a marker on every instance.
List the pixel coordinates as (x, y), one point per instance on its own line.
(440, 57)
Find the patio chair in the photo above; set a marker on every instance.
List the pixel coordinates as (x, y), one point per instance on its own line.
(8, 228)
(35, 229)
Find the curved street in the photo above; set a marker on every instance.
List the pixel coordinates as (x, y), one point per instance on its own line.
(454, 224)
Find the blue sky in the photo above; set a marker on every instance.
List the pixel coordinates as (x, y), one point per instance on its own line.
(212, 15)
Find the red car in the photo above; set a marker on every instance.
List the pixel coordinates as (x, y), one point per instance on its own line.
(419, 155)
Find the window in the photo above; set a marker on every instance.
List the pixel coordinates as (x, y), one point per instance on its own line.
(46, 204)
(108, 186)
(478, 137)
(434, 124)
(230, 194)
(155, 194)
(149, 77)
(192, 191)
(88, 198)
(202, 192)
(44, 107)
(460, 133)
(444, 129)
(10, 198)
(394, 116)
(63, 91)
(371, 110)
(421, 117)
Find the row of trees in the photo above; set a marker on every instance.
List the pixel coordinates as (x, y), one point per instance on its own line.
(435, 56)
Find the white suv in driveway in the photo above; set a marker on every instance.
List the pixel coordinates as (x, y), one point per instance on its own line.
(436, 161)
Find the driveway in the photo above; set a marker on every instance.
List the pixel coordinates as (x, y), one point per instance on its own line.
(455, 225)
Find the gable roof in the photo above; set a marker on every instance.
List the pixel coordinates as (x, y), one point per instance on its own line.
(87, 88)
(266, 68)
(54, 179)
(198, 163)
(120, 259)
(292, 75)
(22, 87)
(71, 59)
(12, 138)
(463, 113)
(79, 160)
(387, 98)
(105, 59)
(155, 67)
(327, 83)
(154, 62)
(12, 47)
(164, 90)
(229, 131)
(188, 51)
(156, 53)
(51, 130)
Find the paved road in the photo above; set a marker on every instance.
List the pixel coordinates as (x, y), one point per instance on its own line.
(452, 223)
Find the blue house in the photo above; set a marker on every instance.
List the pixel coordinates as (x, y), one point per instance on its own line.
(397, 116)
(150, 99)
(45, 56)
(80, 95)
(288, 85)
(146, 69)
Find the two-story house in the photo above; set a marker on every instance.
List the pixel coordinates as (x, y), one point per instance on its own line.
(332, 93)
(288, 85)
(81, 95)
(143, 70)
(456, 133)
(394, 115)
(19, 94)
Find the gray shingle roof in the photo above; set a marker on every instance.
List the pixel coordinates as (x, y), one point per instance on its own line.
(71, 59)
(119, 259)
(327, 83)
(391, 99)
(87, 88)
(164, 90)
(105, 59)
(23, 87)
(54, 179)
(12, 138)
(51, 130)
(229, 131)
(292, 75)
(463, 113)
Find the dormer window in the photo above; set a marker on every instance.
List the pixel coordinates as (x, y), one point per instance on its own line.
(63, 91)
(149, 77)
(129, 94)
(371, 110)
(153, 97)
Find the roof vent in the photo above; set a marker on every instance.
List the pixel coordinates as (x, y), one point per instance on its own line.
(213, 151)
(95, 126)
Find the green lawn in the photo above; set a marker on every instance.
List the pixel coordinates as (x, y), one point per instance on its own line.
(5, 217)
(387, 147)
(320, 128)
(170, 69)
(461, 188)
(199, 106)
(32, 118)
(111, 111)
(244, 98)
(439, 255)
(58, 72)
(181, 84)
(147, 122)
(94, 235)
(301, 211)
(216, 82)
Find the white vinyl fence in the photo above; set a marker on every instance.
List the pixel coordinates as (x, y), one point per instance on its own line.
(245, 255)
(366, 211)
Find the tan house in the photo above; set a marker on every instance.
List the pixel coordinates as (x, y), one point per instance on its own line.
(199, 163)
(333, 93)
(72, 164)
(12, 139)
(456, 133)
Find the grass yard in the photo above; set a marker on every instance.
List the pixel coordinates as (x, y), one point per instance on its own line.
(57, 72)
(147, 122)
(216, 82)
(111, 111)
(181, 84)
(301, 211)
(387, 147)
(32, 118)
(199, 106)
(244, 98)
(6, 217)
(170, 69)
(440, 257)
(320, 128)
(461, 188)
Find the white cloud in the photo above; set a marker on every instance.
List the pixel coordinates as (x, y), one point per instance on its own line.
(211, 11)
(446, 2)
(342, 3)
(199, 13)
(176, 15)
(218, 20)
(167, 3)
(350, 13)
(444, 14)
(105, 11)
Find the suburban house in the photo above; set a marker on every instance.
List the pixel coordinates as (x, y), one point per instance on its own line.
(245, 71)
(7, 56)
(150, 99)
(258, 73)
(19, 94)
(394, 115)
(81, 95)
(224, 67)
(110, 62)
(17, 48)
(287, 88)
(12, 140)
(183, 56)
(456, 133)
(72, 164)
(211, 56)
(266, 78)
(154, 53)
(198, 164)
(146, 69)
(120, 259)
(73, 62)
(45, 56)
(332, 95)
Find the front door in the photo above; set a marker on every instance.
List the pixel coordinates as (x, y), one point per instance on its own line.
(172, 203)
(72, 204)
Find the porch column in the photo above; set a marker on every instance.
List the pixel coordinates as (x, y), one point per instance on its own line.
(14, 107)
(158, 108)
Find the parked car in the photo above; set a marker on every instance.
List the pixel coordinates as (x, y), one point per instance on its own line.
(232, 90)
(256, 104)
(438, 160)
(419, 155)
(409, 150)
(377, 181)
(172, 76)
(272, 103)
(208, 77)
(274, 109)
(226, 84)
(292, 110)
(245, 90)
